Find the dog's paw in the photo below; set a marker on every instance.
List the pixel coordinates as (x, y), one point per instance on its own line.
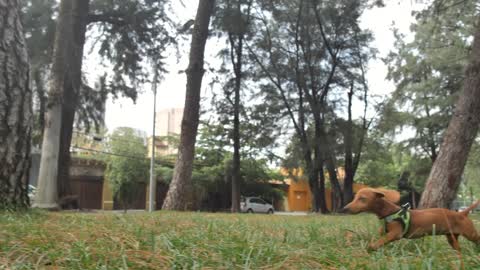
(372, 247)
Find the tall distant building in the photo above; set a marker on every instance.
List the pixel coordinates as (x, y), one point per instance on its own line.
(168, 122)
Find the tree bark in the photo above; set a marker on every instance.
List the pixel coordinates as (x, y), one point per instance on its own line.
(445, 176)
(177, 197)
(329, 155)
(348, 143)
(15, 108)
(47, 196)
(236, 178)
(321, 190)
(318, 188)
(80, 10)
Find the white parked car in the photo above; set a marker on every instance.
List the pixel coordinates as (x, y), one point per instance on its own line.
(255, 205)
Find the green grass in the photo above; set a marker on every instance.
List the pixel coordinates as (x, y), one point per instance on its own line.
(39, 240)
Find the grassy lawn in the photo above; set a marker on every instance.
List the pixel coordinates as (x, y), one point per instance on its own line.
(40, 240)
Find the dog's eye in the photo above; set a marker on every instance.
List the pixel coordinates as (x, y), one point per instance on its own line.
(362, 199)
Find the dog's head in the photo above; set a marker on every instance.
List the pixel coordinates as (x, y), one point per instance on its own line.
(366, 199)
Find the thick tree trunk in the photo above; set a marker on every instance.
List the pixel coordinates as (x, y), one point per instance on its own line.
(15, 108)
(312, 175)
(317, 187)
(337, 196)
(445, 176)
(318, 179)
(329, 160)
(47, 180)
(321, 191)
(71, 90)
(177, 197)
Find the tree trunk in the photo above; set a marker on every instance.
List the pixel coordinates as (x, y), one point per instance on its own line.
(337, 196)
(348, 143)
(321, 191)
(445, 176)
(237, 66)
(71, 90)
(329, 155)
(177, 197)
(236, 147)
(42, 98)
(47, 196)
(312, 175)
(15, 108)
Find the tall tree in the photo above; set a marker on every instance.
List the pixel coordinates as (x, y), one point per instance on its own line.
(15, 108)
(428, 73)
(120, 24)
(47, 196)
(353, 134)
(234, 17)
(39, 28)
(445, 176)
(307, 37)
(142, 21)
(178, 197)
(71, 91)
(127, 167)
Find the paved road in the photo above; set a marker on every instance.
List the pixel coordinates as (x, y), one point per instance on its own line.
(291, 213)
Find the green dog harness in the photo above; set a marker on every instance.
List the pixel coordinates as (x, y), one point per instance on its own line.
(402, 216)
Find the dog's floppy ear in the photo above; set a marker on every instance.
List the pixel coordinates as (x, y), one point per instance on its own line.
(378, 193)
(391, 195)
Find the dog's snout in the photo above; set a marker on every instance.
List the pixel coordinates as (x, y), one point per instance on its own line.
(345, 210)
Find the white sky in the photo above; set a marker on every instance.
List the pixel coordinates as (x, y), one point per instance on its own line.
(171, 92)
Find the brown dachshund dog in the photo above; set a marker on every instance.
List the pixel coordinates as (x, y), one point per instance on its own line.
(405, 223)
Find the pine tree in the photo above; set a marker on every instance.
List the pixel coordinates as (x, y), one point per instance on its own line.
(15, 108)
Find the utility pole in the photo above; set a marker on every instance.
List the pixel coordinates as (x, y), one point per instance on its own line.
(153, 182)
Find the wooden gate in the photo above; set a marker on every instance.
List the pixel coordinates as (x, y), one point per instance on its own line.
(89, 191)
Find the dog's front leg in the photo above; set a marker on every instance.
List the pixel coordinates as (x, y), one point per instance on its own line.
(381, 230)
(387, 238)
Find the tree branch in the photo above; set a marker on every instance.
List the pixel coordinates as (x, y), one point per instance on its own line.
(115, 18)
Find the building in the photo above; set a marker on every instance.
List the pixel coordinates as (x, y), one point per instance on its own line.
(168, 124)
(163, 146)
(298, 196)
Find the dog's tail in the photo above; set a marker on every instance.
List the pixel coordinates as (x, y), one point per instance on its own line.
(470, 208)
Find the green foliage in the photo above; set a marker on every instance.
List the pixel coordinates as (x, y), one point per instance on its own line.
(255, 175)
(128, 165)
(471, 178)
(39, 28)
(126, 34)
(213, 169)
(165, 173)
(384, 161)
(428, 73)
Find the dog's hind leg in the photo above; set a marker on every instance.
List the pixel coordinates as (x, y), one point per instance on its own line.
(453, 241)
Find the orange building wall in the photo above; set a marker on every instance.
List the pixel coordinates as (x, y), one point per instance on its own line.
(328, 194)
(299, 196)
